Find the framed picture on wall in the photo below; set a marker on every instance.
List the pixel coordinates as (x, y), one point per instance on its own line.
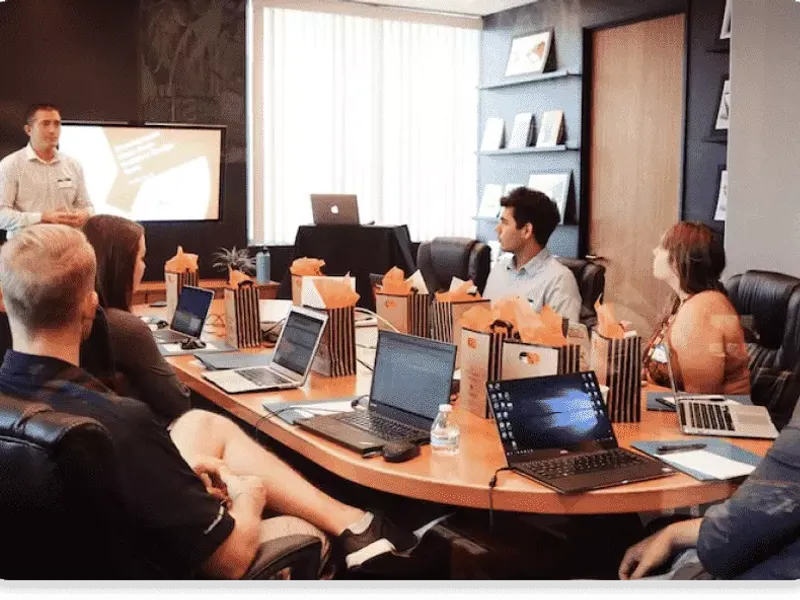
(725, 30)
(722, 194)
(529, 54)
(554, 185)
(722, 120)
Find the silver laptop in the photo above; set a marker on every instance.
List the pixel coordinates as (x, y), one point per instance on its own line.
(190, 316)
(334, 209)
(291, 360)
(710, 414)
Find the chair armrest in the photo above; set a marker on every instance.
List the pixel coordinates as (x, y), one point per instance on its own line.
(288, 557)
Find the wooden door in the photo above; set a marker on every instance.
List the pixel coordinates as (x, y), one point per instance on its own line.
(635, 158)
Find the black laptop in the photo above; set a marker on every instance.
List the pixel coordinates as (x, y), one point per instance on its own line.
(190, 316)
(412, 378)
(556, 430)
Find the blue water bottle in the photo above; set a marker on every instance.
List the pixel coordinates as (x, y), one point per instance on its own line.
(263, 266)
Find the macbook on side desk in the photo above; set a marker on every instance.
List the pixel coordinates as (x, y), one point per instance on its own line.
(291, 360)
(556, 430)
(334, 209)
(411, 379)
(189, 318)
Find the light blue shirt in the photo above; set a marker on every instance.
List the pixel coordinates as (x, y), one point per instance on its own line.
(542, 280)
(30, 186)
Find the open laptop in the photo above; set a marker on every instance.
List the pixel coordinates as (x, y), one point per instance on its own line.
(291, 359)
(334, 209)
(714, 414)
(556, 430)
(190, 316)
(412, 378)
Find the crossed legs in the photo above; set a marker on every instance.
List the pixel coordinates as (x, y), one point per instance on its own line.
(201, 434)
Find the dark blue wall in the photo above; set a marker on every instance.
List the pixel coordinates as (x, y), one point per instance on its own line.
(570, 19)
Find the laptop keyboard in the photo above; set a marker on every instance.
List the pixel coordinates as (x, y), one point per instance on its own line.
(380, 426)
(577, 465)
(261, 376)
(706, 416)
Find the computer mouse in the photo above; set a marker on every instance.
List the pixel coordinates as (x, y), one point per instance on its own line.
(192, 344)
(396, 452)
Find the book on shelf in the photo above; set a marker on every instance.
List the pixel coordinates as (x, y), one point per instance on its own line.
(555, 186)
(522, 134)
(490, 203)
(510, 187)
(551, 130)
(493, 134)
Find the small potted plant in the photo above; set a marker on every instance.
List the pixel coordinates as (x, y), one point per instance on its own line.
(234, 260)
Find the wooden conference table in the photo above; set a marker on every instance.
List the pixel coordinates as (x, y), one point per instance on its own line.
(461, 480)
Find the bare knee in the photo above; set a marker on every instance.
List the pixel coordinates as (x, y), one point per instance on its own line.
(200, 433)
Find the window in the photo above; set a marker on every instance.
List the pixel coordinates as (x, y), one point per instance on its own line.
(383, 108)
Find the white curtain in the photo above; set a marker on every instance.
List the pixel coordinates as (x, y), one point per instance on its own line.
(380, 108)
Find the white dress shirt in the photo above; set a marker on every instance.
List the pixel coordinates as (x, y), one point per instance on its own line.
(30, 186)
(542, 280)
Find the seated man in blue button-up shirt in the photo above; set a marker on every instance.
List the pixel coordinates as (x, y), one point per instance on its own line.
(531, 272)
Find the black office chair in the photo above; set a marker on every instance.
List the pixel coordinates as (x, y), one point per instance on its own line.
(591, 279)
(770, 307)
(63, 513)
(443, 258)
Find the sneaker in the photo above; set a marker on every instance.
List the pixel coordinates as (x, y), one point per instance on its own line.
(380, 538)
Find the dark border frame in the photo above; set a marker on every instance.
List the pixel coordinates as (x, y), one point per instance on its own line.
(223, 129)
(570, 184)
(720, 169)
(547, 65)
(719, 134)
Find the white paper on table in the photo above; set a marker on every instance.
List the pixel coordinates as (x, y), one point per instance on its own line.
(709, 463)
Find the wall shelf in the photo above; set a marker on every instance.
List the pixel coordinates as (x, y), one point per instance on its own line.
(531, 149)
(532, 79)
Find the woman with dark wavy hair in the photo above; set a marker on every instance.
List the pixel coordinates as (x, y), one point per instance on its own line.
(702, 332)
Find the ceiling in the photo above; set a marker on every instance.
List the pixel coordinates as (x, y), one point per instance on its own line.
(464, 7)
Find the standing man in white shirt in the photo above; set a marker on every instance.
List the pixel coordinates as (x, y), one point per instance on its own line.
(528, 220)
(39, 184)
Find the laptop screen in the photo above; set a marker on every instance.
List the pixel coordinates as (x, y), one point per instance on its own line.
(295, 349)
(412, 374)
(558, 412)
(192, 310)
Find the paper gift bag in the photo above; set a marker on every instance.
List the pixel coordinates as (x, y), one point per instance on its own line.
(297, 289)
(446, 321)
(520, 360)
(617, 363)
(481, 355)
(407, 313)
(242, 323)
(174, 282)
(336, 356)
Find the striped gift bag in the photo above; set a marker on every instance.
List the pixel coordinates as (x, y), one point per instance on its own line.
(408, 313)
(618, 365)
(336, 355)
(242, 323)
(481, 355)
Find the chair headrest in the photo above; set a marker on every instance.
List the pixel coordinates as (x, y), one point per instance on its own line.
(771, 298)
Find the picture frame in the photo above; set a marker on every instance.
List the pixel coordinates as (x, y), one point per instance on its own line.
(725, 29)
(721, 210)
(529, 54)
(721, 122)
(555, 185)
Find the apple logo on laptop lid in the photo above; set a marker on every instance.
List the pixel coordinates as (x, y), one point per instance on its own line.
(335, 209)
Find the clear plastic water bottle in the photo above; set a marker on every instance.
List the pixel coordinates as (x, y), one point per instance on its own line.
(444, 433)
(263, 266)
